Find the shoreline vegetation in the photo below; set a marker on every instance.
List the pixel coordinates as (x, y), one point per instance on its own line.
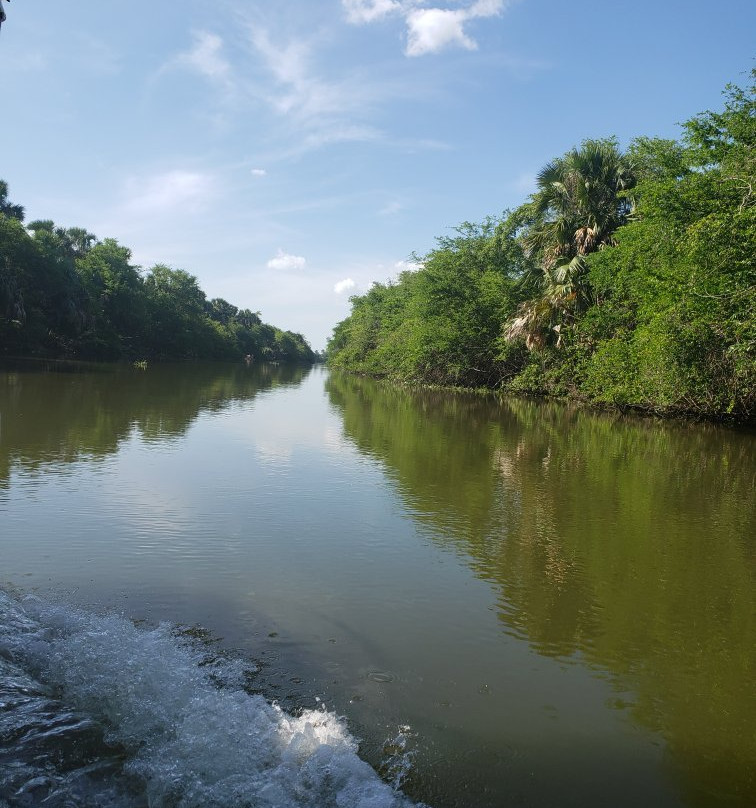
(627, 280)
(64, 294)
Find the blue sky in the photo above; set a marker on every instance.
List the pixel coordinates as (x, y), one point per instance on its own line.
(291, 152)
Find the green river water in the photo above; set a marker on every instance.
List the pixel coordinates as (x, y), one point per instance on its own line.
(542, 605)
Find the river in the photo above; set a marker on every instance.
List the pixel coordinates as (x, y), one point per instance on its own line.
(225, 585)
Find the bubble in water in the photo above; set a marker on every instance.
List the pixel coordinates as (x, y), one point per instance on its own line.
(382, 677)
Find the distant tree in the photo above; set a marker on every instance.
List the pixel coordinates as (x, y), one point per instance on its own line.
(6, 208)
(59, 295)
(76, 241)
(80, 241)
(221, 310)
(41, 225)
(64, 293)
(247, 318)
(176, 310)
(116, 295)
(19, 265)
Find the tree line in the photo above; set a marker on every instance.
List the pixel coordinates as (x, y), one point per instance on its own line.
(64, 293)
(626, 279)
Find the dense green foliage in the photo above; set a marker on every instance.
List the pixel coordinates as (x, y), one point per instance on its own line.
(627, 279)
(63, 293)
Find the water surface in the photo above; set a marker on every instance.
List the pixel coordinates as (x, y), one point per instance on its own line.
(530, 604)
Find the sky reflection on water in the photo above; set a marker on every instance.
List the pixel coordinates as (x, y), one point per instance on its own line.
(559, 604)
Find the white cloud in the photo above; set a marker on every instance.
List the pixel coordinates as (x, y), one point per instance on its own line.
(289, 64)
(169, 191)
(337, 132)
(258, 172)
(343, 286)
(408, 266)
(486, 8)
(362, 11)
(206, 57)
(433, 29)
(303, 95)
(317, 111)
(429, 30)
(284, 261)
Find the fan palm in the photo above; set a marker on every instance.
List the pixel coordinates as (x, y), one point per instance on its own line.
(581, 200)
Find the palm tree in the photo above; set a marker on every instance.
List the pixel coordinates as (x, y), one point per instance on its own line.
(6, 208)
(581, 200)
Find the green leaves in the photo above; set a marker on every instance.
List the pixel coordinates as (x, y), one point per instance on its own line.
(64, 293)
(440, 324)
(6, 208)
(627, 279)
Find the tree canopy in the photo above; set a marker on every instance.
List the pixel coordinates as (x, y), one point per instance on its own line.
(65, 293)
(626, 279)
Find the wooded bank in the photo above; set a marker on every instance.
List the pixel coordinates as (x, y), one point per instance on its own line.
(627, 279)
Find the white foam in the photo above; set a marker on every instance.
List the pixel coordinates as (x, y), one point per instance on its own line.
(192, 735)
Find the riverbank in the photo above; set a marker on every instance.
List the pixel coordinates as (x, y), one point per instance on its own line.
(626, 280)
(574, 399)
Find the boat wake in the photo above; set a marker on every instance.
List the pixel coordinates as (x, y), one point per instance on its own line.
(96, 711)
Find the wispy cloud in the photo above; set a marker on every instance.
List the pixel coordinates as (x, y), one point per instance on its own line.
(391, 208)
(285, 261)
(344, 286)
(310, 105)
(258, 172)
(313, 108)
(299, 92)
(206, 57)
(429, 30)
(169, 191)
(266, 63)
(362, 11)
(30, 61)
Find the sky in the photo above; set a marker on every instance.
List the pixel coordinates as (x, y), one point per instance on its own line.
(290, 153)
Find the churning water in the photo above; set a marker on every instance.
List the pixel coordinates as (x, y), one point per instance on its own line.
(97, 711)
